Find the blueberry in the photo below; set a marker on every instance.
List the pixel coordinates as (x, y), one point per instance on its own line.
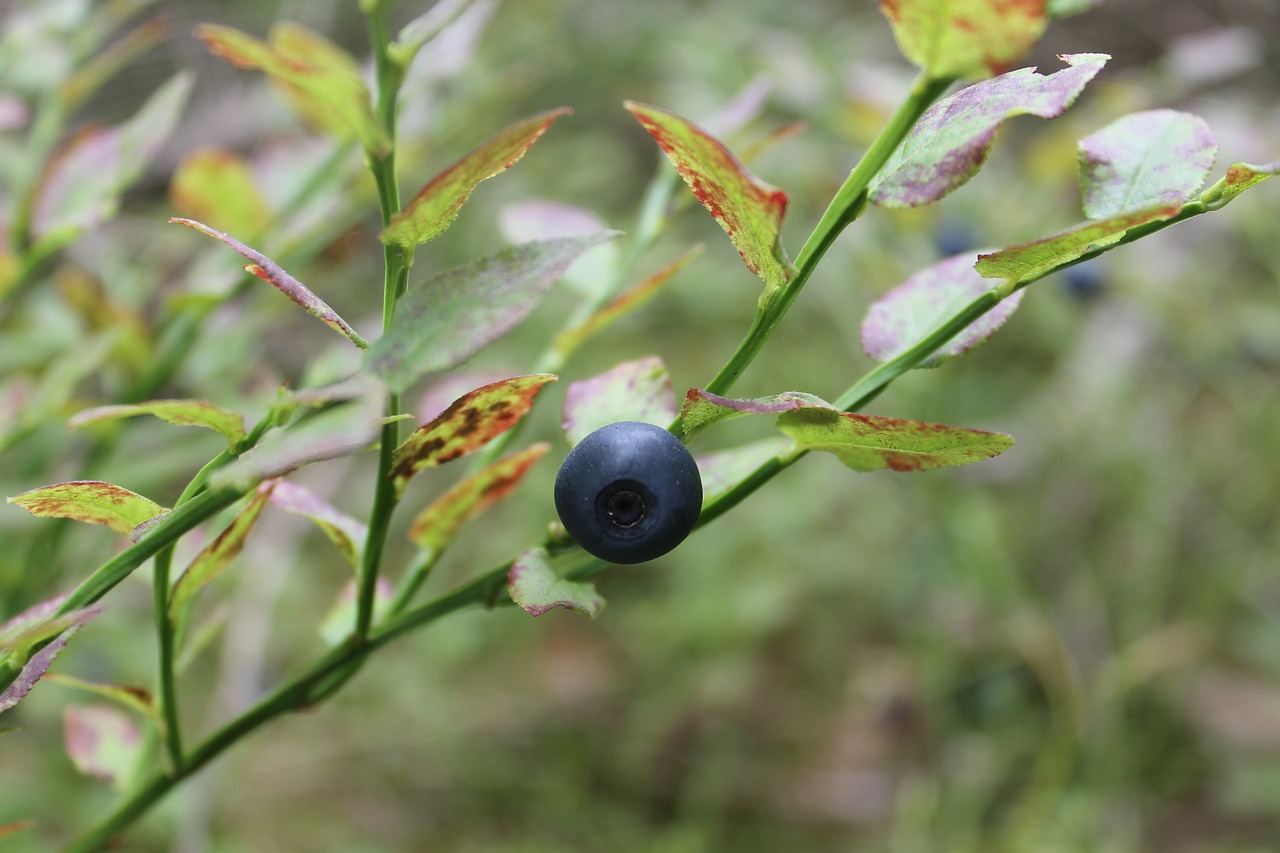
(629, 492)
(1086, 279)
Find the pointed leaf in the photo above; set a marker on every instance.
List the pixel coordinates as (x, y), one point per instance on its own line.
(272, 273)
(539, 219)
(1158, 157)
(422, 29)
(136, 698)
(444, 321)
(215, 186)
(1239, 177)
(633, 391)
(103, 742)
(344, 531)
(749, 210)
(536, 588)
(911, 311)
(868, 443)
(341, 618)
(965, 38)
(39, 663)
(701, 409)
(471, 422)
(91, 501)
(723, 470)
(436, 205)
(214, 558)
(37, 614)
(227, 423)
(951, 140)
(26, 631)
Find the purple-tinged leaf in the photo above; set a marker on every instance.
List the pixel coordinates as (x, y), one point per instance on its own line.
(91, 501)
(471, 422)
(214, 558)
(965, 38)
(1030, 261)
(39, 623)
(37, 614)
(447, 319)
(438, 525)
(1239, 177)
(39, 663)
(344, 531)
(869, 443)
(215, 186)
(911, 311)
(136, 698)
(275, 275)
(102, 742)
(536, 588)
(951, 140)
(341, 618)
(228, 424)
(749, 210)
(1158, 157)
(354, 387)
(539, 219)
(701, 409)
(436, 205)
(725, 469)
(633, 391)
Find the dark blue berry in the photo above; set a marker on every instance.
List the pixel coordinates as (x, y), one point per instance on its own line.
(1086, 279)
(629, 492)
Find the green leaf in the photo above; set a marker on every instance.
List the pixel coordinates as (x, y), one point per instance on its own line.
(228, 424)
(424, 28)
(136, 698)
(723, 470)
(749, 210)
(325, 75)
(102, 742)
(91, 501)
(447, 319)
(36, 665)
(470, 422)
(272, 273)
(1146, 159)
(347, 533)
(701, 408)
(539, 219)
(633, 391)
(909, 313)
(868, 443)
(965, 38)
(536, 588)
(39, 623)
(950, 142)
(337, 623)
(215, 186)
(214, 558)
(1239, 177)
(436, 205)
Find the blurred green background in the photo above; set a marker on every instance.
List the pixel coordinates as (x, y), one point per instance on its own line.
(1075, 647)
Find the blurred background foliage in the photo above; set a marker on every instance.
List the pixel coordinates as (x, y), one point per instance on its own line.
(1075, 647)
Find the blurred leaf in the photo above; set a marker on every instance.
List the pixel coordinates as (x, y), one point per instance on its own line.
(103, 742)
(228, 424)
(436, 205)
(539, 219)
(723, 470)
(965, 38)
(1158, 157)
(749, 210)
(214, 185)
(197, 639)
(90, 77)
(16, 826)
(344, 531)
(438, 524)
(637, 390)
(536, 588)
(36, 666)
(701, 409)
(323, 73)
(39, 623)
(271, 272)
(214, 558)
(911, 311)
(422, 29)
(1239, 177)
(341, 618)
(137, 698)
(470, 423)
(868, 443)
(951, 140)
(445, 320)
(91, 501)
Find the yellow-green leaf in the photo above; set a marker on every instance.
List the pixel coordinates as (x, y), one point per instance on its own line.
(91, 501)
(965, 38)
(228, 424)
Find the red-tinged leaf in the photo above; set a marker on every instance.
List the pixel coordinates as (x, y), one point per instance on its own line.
(36, 665)
(272, 273)
(951, 140)
(17, 826)
(102, 742)
(701, 409)
(447, 319)
(324, 74)
(723, 470)
(570, 339)
(436, 205)
(345, 532)
(1239, 177)
(1030, 261)
(441, 394)
(965, 38)
(868, 443)
(471, 422)
(228, 424)
(536, 588)
(91, 501)
(341, 618)
(214, 558)
(1147, 159)
(539, 219)
(914, 309)
(136, 698)
(215, 186)
(749, 210)
(438, 525)
(633, 391)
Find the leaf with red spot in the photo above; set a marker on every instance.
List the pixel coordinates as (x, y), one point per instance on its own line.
(1239, 177)
(436, 205)
(35, 666)
(345, 532)
(965, 38)
(438, 525)
(471, 422)
(749, 210)
(16, 826)
(913, 310)
(229, 424)
(1146, 159)
(633, 391)
(701, 408)
(869, 443)
(135, 698)
(102, 742)
(536, 588)
(215, 186)
(91, 501)
(214, 558)
(951, 141)
(275, 275)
